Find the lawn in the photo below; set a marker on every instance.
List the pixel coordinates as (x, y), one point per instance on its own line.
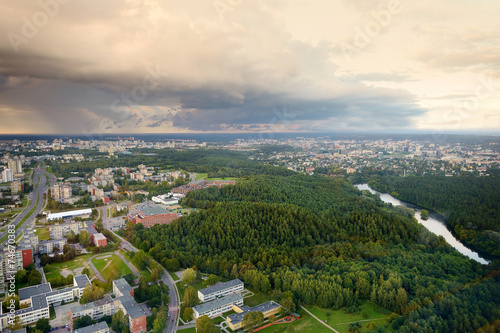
(53, 270)
(256, 299)
(144, 272)
(306, 324)
(187, 330)
(43, 233)
(201, 176)
(198, 284)
(103, 263)
(174, 276)
(340, 320)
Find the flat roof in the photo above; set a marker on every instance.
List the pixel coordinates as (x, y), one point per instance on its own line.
(69, 213)
(99, 236)
(150, 209)
(27, 292)
(82, 280)
(220, 286)
(91, 305)
(264, 307)
(92, 328)
(218, 302)
(133, 309)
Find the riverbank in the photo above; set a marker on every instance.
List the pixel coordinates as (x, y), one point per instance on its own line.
(435, 223)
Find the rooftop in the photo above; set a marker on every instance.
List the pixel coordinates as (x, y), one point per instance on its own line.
(67, 214)
(264, 307)
(82, 280)
(92, 328)
(218, 302)
(133, 309)
(150, 209)
(27, 292)
(220, 286)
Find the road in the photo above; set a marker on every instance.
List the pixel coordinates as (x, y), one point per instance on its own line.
(39, 188)
(173, 306)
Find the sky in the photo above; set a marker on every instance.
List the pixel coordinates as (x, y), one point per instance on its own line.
(179, 66)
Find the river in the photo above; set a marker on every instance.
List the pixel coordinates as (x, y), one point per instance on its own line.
(435, 224)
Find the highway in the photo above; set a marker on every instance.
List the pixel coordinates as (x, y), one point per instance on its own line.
(39, 188)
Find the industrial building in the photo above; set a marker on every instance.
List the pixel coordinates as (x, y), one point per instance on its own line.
(149, 214)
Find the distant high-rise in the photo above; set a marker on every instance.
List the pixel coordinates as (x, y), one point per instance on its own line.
(15, 165)
(7, 175)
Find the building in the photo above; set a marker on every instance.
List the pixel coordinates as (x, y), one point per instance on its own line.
(100, 327)
(7, 175)
(82, 213)
(16, 187)
(29, 235)
(15, 165)
(58, 231)
(124, 301)
(218, 306)
(61, 191)
(37, 299)
(220, 289)
(149, 214)
(99, 239)
(267, 309)
(13, 260)
(47, 246)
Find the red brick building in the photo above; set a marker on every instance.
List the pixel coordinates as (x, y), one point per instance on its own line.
(149, 214)
(99, 239)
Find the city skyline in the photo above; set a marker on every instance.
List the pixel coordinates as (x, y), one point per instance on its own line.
(240, 66)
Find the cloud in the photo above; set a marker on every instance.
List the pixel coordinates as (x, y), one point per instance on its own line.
(183, 66)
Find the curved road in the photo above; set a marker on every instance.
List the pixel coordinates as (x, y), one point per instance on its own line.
(173, 306)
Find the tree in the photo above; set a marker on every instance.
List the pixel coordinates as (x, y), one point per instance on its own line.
(34, 278)
(113, 272)
(188, 313)
(212, 279)
(15, 324)
(272, 318)
(119, 322)
(191, 297)
(21, 276)
(189, 275)
(12, 299)
(140, 260)
(43, 325)
(424, 214)
(86, 271)
(155, 275)
(205, 325)
(252, 320)
(91, 294)
(354, 327)
(84, 238)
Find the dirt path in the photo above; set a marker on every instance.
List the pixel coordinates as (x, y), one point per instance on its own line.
(321, 321)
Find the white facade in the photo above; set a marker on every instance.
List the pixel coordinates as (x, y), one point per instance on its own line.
(221, 289)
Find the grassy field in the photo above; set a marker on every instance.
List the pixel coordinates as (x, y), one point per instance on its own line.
(306, 324)
(144, 272)
(340, 320)
(43, 233)
(103, 263)
(198, 284)
(187, 330)
(201, 176)
(174, 276)
(54, 269)
(256, 299)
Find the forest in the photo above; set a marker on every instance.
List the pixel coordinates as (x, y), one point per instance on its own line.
(317, 240)
(470, 205)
